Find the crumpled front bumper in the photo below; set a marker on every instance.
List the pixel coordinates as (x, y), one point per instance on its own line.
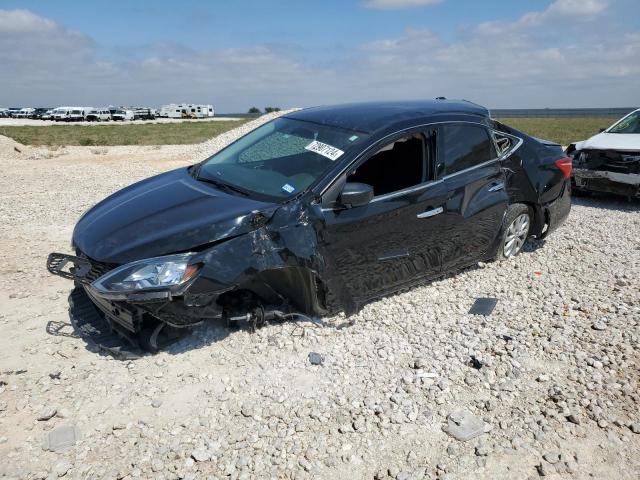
(132, 310)
(627, 184)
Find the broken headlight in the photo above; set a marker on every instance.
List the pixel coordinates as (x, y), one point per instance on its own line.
(160, 273)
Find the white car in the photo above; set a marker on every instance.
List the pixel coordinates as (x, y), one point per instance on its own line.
(609, 161)
(98, 115)
(122, 115)
(68, 114)
(24, 113)
(48, 115)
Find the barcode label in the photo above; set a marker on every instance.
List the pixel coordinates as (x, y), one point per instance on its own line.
(325, 150)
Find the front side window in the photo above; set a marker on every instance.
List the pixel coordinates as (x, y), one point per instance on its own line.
(280, 159)
(396, 166)
(463, 146)
(630, 124)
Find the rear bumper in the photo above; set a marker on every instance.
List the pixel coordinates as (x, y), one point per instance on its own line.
(627, 184)
(557, 211)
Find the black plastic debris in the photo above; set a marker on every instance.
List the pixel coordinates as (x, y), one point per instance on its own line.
(483, 306)
(475, 363)
(315, 358)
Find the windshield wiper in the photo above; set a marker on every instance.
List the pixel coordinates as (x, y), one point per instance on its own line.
(224, 186)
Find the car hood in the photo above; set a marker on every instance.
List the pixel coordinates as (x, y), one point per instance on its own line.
(611, 141)
(171, 212)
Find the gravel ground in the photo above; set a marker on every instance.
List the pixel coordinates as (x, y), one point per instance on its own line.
(547, 385)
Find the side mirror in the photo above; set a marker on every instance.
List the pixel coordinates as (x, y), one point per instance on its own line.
(355, 194)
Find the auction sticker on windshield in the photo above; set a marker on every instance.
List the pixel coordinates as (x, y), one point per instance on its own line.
(332, 153)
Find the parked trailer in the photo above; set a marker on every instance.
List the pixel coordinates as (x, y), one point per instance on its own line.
(187, 110)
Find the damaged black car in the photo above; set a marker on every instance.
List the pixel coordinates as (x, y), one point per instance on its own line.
(317, 212)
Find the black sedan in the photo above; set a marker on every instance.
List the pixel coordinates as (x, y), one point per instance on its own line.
(316, 212)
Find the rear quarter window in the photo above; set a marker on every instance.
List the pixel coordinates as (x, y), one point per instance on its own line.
(463, 146)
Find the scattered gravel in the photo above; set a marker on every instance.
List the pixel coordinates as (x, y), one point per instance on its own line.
(555, 394)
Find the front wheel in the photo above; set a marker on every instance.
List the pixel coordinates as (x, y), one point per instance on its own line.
(517, 223)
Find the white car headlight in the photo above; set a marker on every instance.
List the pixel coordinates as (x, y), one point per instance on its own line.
(149, 274)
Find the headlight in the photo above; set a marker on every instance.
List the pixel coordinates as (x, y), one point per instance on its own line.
(160, 273)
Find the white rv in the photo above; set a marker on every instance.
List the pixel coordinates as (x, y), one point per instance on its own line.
(186, 110)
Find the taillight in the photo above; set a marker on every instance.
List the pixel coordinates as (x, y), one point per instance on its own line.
(565, 164)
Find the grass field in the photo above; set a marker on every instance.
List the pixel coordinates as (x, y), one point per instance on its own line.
(561, 130)
(146, 134)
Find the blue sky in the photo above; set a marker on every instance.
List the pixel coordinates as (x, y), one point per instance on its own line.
(234, 54)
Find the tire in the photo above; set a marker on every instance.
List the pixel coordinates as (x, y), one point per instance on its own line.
(515, 231)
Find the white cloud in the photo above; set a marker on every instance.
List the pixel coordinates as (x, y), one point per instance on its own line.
(561, 10)
(528, 66)
(23, 21)
(578, 8)
(395, 4)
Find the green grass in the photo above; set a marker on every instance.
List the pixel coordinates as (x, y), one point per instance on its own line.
(561, 130)
(145, 134)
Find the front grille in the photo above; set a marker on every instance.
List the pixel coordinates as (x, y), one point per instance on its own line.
(79, 268)
(610, 160)
(97, 268)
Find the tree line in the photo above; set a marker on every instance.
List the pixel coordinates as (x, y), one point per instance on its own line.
(266, 110)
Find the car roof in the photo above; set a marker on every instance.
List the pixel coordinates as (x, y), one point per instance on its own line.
(372, 116)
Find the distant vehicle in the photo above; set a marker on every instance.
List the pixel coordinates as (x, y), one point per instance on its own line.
(76, 115)
(48, 115)
(68, 114)
(12, 111)
(39, 112)
(143, 114)
(184, 110)
(121, 115)
(609, 161)
(98, 115)
(3, 112)
(24, 113)
(60, 114)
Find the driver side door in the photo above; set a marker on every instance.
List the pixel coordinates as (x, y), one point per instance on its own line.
(394, 240)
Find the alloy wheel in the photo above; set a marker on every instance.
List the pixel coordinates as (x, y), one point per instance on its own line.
(516, 235)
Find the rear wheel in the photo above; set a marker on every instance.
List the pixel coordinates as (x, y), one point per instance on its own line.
(517, 223)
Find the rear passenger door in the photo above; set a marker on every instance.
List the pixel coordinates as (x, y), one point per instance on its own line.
(476, 197)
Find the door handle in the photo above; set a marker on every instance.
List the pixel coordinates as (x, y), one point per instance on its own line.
(496, 187)
(431, 213)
